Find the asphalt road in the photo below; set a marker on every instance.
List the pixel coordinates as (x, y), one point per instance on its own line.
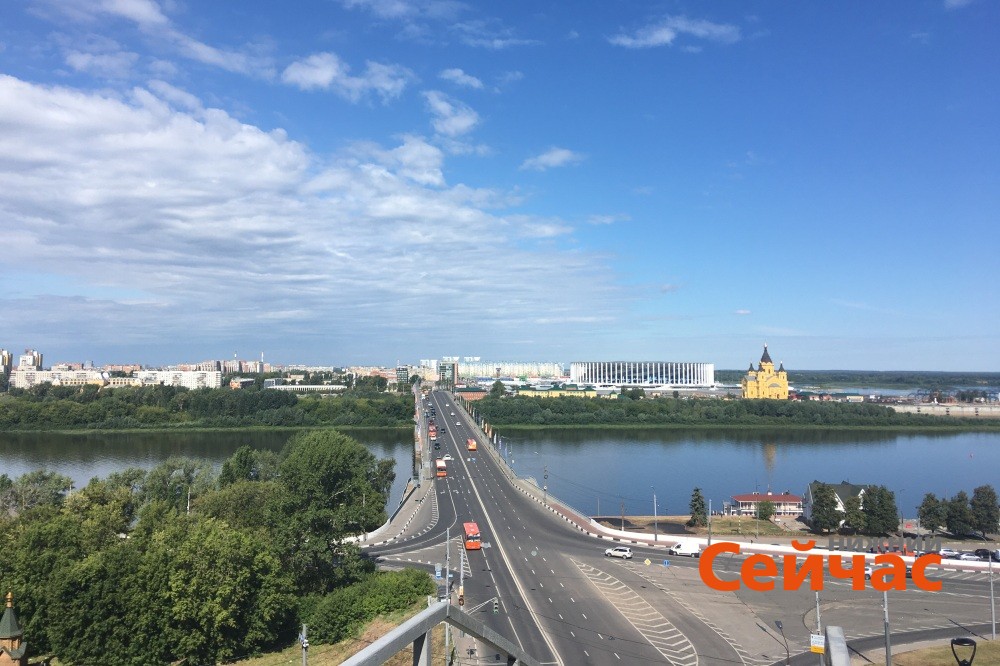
(563, 602)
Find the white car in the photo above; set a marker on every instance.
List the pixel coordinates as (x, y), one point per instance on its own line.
(948, 553)
(868, 573)
(623, 552)
(457, 423)
(447, 456)
(968, 557)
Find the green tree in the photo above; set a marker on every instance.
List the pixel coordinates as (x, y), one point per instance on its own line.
(176, 478)
(766, 510)
(38, 488)
(854, 517)
(498, 390)
(985, 510)
(333, 487)
(932, 512)
(699, 512)
(959, 519)
(248, 464)
(879, 508)
(825, 516)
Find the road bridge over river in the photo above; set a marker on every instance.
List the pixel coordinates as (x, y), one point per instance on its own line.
(563, 602)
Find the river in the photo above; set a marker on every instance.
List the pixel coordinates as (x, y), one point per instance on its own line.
(595, 470)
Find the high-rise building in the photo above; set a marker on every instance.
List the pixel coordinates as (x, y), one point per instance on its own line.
(6, 361)
(448, 371)
(642, 374)
(30, 360)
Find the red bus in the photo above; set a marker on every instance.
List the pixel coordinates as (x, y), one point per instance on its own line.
(472, 539)
(442, 467)
(471, 444)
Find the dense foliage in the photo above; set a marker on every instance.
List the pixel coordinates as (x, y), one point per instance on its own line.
(47, 407)
(961, 515)
(573, 411)
(122, 571)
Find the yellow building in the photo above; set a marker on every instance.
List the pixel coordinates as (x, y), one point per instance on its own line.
(764, 382)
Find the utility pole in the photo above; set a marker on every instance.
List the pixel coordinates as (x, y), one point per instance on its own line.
(993, 608)
(545, 485)
(710, 521)
(819, 626)
(305, 646)
(623, 515)
(447, 585)
(885, 621)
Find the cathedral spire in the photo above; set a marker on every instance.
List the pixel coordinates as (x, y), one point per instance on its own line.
(766, 358)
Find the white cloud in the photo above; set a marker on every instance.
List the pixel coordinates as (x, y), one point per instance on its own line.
(550, 159)
(171, 224)
(392, 9)
(608, 219)
(326, 71)
(108, 65)
(956, 4)
(458, 77)
(451, 117)
(742, 312)
(490, 35)
(663, 33)
(149, 18)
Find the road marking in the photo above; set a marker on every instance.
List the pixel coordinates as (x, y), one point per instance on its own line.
(658, 631)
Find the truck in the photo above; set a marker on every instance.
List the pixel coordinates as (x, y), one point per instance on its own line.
(470, 444)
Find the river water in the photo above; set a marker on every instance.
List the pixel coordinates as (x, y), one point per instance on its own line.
(595, 470)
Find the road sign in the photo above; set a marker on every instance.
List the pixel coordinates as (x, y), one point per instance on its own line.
(666, 563)
(646, 562)
(487, 544)
(817, 644)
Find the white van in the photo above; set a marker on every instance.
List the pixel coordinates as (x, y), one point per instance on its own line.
(688, 549)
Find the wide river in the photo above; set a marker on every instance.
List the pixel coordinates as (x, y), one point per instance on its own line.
(596, 470)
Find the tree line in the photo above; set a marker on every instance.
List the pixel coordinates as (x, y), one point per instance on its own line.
(574, 411)
(181, 563)
(962, 515)
(48, 407)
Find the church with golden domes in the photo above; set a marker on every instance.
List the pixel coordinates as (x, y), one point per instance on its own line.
(764, 382)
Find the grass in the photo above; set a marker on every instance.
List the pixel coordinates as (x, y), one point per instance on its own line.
(987, 652)
(669, 526)
(330, 655)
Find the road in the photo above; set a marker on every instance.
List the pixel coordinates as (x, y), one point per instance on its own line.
(563, 602)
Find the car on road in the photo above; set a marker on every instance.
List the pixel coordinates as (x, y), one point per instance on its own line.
(868, 573)
(457, 423)
(623, 552)
(447, 456)
(948, 553)
(968, 557)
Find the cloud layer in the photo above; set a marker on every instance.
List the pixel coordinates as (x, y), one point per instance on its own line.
(156, 215)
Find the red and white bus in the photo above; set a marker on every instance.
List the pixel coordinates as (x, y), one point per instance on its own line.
(470, 444)
(473, 541)
(442, 467)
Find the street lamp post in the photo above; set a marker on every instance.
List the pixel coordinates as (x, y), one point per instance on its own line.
(655, 526)
(788, 657)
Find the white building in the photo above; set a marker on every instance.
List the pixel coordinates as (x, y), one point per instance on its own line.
(192, 379)
(26, 378)
(471, 369)
(642, 374)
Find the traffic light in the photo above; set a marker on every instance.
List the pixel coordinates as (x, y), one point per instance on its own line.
(461, 600)
(496, 606)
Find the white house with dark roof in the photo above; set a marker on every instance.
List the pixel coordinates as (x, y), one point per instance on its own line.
(841, 491)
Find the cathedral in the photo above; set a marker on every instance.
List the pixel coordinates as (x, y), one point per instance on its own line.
(764, 382)
(13, 649)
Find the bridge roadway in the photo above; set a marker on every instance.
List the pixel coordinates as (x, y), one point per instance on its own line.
(563, 602)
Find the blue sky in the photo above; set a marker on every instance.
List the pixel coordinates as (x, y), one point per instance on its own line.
(366, 181)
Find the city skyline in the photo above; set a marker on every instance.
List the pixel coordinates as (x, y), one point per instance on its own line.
(366, 180)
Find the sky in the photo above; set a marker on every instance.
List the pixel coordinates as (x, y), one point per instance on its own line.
(371, 181)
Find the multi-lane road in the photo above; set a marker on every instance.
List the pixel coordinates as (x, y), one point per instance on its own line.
(564, 602)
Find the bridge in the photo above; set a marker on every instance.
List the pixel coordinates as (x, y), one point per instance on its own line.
(560, 600)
